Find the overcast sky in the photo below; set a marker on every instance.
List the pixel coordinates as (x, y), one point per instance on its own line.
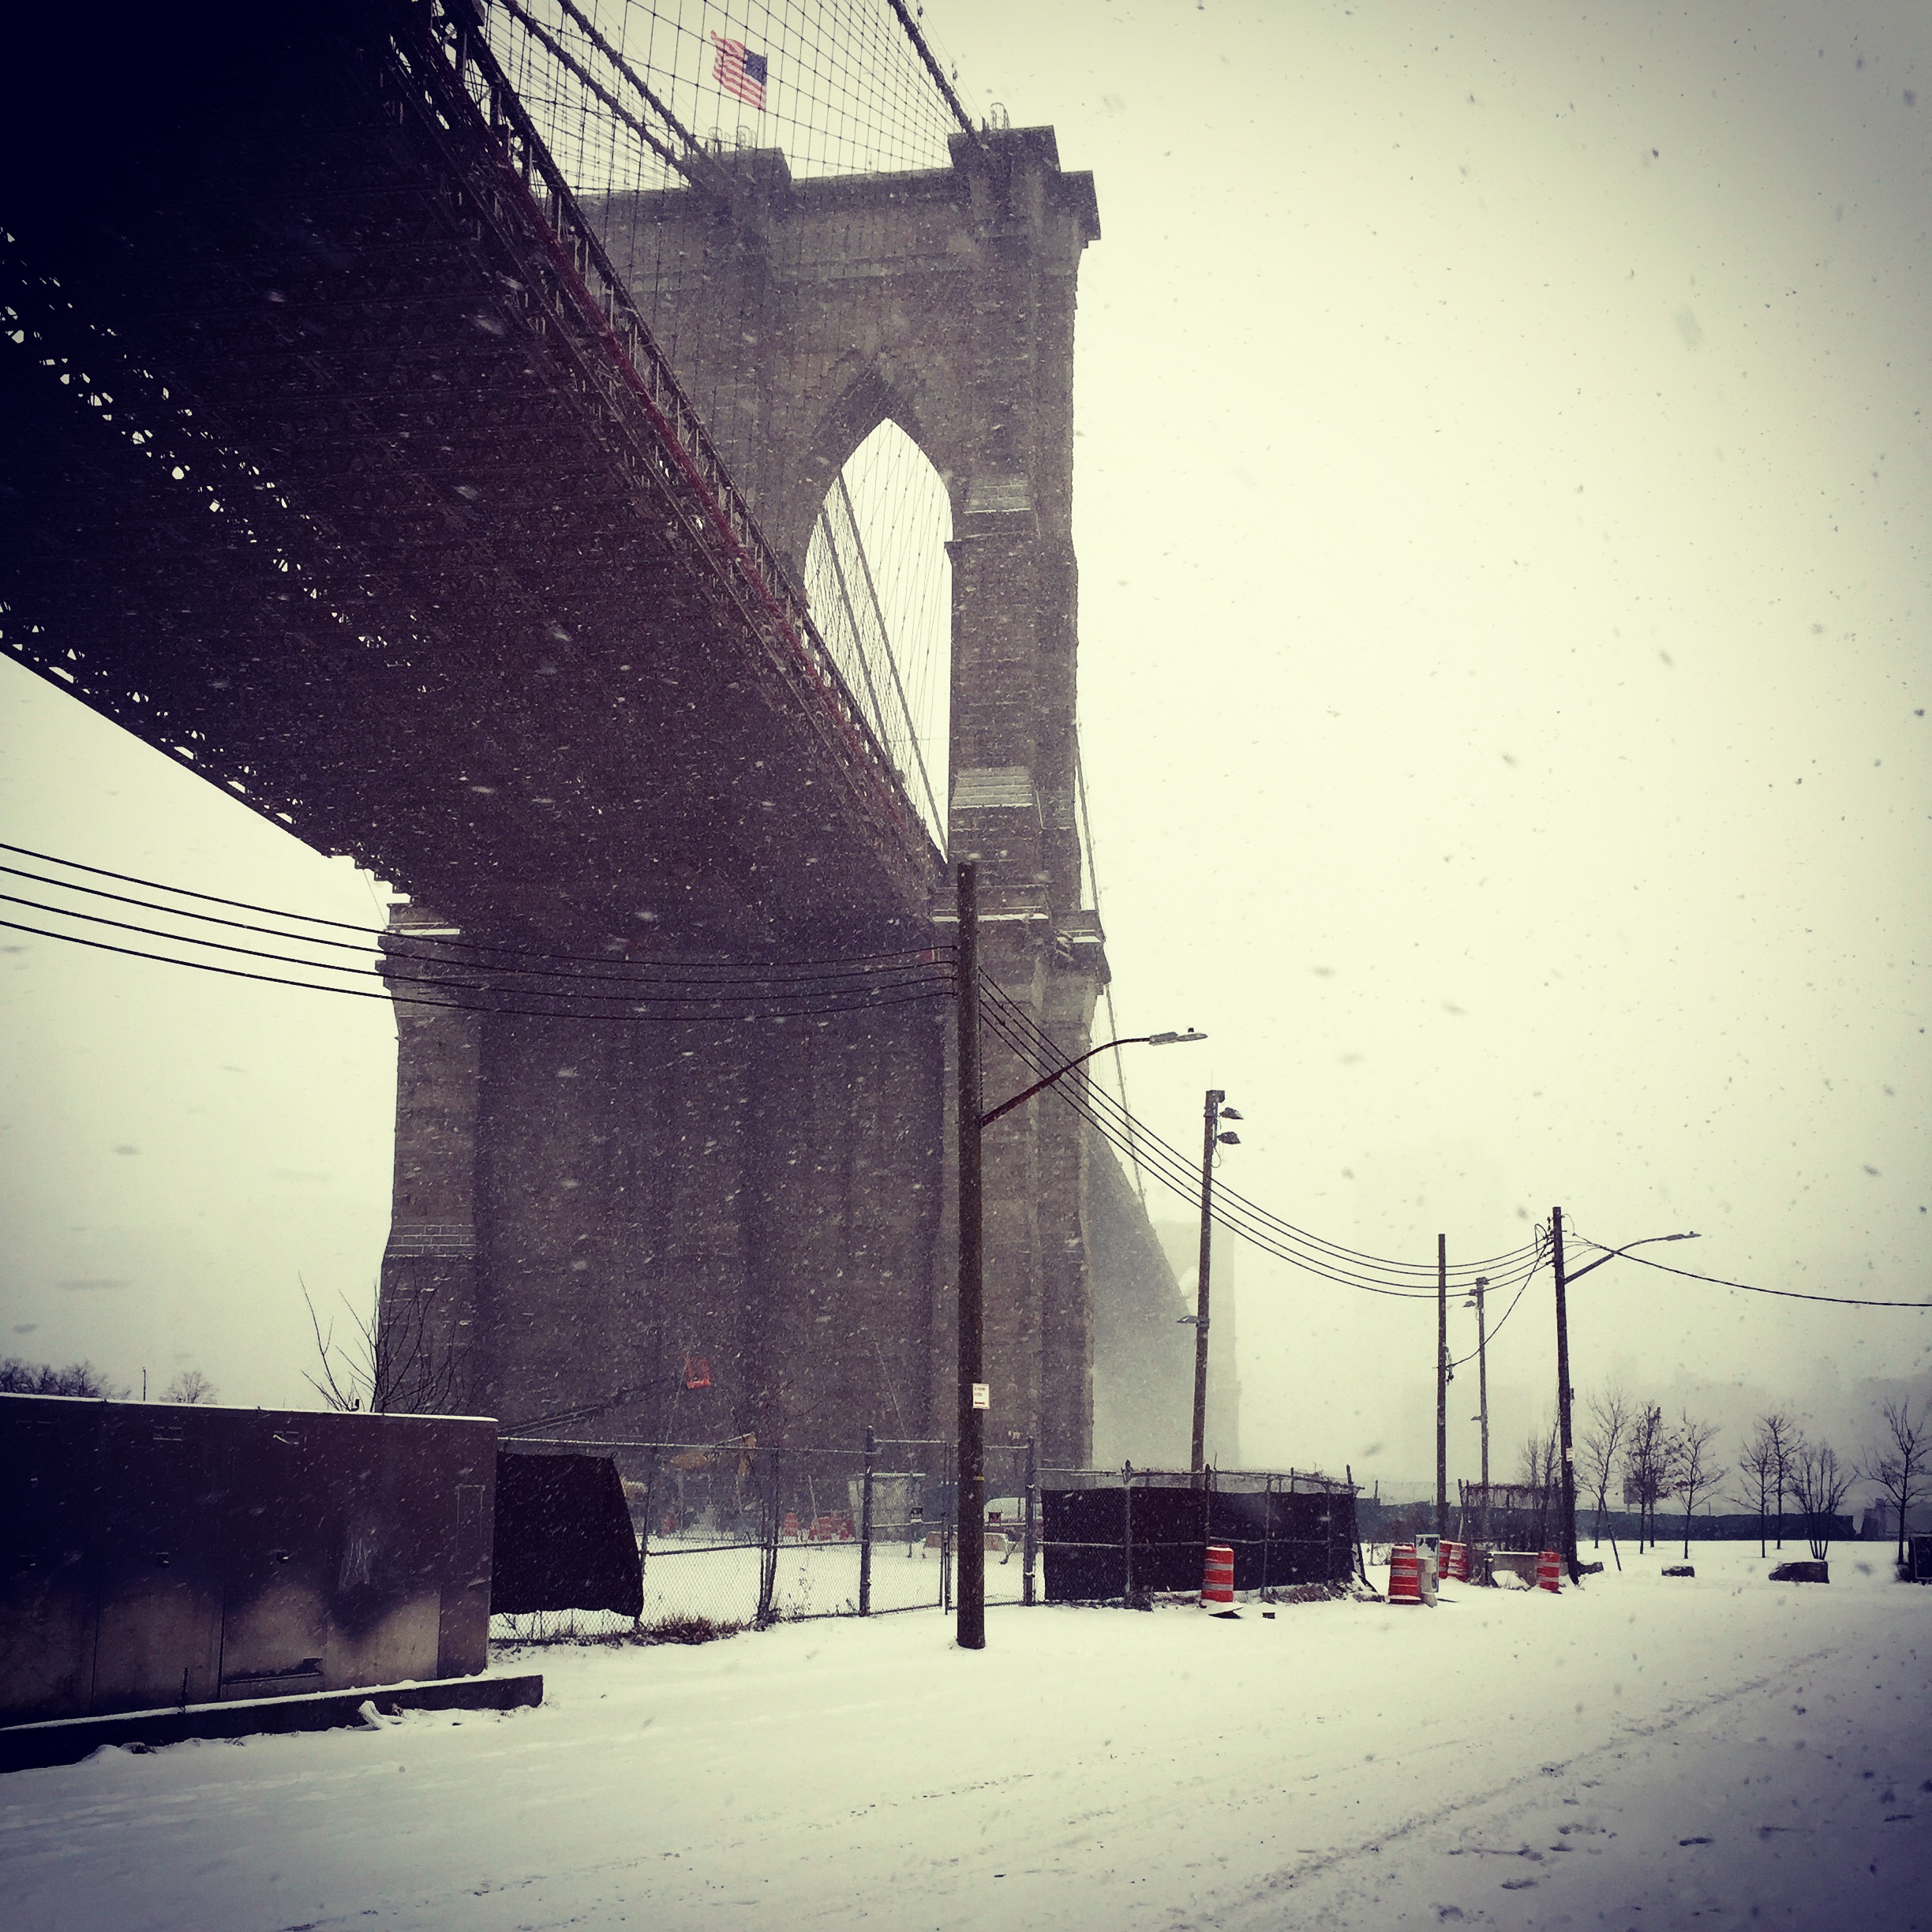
(1503, 497)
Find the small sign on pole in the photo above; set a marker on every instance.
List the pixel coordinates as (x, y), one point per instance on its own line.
(983, 1395)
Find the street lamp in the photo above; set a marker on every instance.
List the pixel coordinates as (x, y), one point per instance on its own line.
(974, 1396)
(1132, 1039)
(1563, 1366)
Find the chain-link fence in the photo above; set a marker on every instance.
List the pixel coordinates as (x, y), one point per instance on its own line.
(744, 1533)
(1127, 1535)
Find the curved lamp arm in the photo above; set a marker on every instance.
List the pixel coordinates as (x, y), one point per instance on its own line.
(1137, 1039)
(1578, 1273)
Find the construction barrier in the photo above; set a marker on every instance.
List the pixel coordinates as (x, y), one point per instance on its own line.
(1455, 1562)
(1549, 1572)
(1405, 1574)
(1218, 1577)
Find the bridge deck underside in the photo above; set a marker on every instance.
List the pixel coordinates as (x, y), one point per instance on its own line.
(355, 528)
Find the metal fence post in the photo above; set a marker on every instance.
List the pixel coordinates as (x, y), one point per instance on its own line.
(1267, 1528)
(1031, 1541)
(1127, 1531)
(768, 1568)
(945, 1530)
(1354, 1497)
(865, 1526)
(650, 1503)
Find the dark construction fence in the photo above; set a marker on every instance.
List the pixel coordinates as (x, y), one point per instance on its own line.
(1125, 1535)
(599, 1537)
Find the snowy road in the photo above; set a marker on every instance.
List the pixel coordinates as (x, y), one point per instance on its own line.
(1645, 1753)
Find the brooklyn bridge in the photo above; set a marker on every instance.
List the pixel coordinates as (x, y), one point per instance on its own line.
(418, 426)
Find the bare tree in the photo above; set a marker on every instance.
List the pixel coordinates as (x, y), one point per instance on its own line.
(1696, 1469)
(1541, 1473)
(189, 1386)
(1648, 1476)
(390, 1363)
(1788, 1445)
(1603, 1439)
(1757, 1468)
(81, 1378)
(1898, 1466)
(1821, 1484)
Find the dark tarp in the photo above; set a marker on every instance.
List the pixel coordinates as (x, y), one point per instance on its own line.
(564, 1536)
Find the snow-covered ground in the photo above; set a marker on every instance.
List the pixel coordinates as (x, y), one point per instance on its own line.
(1719, 1752)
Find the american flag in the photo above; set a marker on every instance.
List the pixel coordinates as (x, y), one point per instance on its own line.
(739, 71)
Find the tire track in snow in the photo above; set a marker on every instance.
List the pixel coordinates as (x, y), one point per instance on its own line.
(1280, 1884)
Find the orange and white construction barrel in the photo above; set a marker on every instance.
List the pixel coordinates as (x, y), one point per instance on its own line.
(1405, 1574)
(1549, 1572)
(1455, 1562)
(1217, 1578)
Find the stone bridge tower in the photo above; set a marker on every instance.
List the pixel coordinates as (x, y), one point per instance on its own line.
(789, 1216)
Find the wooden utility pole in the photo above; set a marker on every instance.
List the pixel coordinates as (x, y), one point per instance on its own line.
(1442, 1385)
(1482, 1404)
(970, 1503)
(1562, 1397)
(1210, 1129)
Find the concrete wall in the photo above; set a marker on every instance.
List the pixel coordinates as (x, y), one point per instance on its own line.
(158, 1555)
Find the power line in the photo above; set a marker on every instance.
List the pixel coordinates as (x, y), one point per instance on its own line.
(1183, 1184)
(1180, 1179)
(390, 973)
(630, 985)
(1491, 1264)
(760, 970)
(1463, 1276)
(1542, 1255)
(711, 1009)
(1785, 1294)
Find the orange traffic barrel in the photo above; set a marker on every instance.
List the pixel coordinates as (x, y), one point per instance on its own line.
(1455, 1562)
(1405, 1574)
(1218, 1577)
(1549, 1572)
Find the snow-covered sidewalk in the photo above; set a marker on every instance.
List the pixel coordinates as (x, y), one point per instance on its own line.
(1646, 1752)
